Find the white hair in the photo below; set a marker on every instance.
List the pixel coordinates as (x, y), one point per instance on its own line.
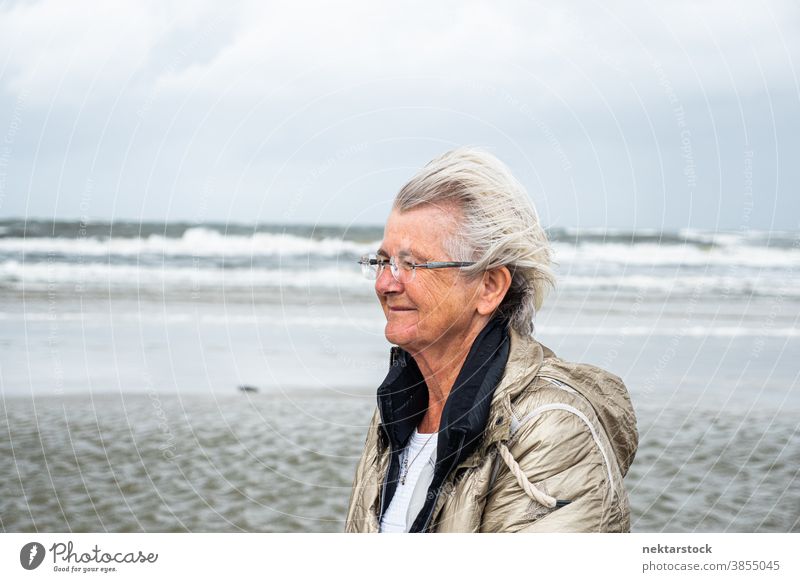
(499, 225)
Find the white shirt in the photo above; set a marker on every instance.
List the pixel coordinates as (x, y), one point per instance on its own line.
(419, 454)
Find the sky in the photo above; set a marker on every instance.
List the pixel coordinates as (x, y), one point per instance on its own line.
(657, 115)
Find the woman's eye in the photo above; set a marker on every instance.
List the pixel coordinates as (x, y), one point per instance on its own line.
(406, 263)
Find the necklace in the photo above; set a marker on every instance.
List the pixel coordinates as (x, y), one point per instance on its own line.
(406, 465)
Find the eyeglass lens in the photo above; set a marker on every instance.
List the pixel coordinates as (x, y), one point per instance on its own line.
(402, 267)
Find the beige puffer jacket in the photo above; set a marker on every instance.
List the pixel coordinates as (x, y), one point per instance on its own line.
(558, 441)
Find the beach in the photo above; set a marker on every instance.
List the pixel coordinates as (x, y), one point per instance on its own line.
(123, 349)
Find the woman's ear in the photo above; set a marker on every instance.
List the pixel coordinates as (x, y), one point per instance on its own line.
(494, 287)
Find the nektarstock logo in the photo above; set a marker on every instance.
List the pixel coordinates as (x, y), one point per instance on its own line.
(31, 555)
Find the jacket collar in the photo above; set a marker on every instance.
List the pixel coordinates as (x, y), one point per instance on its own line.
(403, 396)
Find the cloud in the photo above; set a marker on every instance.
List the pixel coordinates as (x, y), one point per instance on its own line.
(155, 100)
(66, 51)
(69, 53)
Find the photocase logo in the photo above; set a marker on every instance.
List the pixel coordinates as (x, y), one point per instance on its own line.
(31, 555)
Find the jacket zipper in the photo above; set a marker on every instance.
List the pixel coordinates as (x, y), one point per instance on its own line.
(562, 384)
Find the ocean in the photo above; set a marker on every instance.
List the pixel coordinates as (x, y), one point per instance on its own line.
(123, 347)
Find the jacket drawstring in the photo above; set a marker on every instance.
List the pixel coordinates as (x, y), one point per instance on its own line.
(530, 489)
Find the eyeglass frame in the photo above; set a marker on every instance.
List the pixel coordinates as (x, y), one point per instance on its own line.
(372, 259)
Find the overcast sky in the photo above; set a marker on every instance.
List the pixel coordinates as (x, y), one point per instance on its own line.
(646, 114)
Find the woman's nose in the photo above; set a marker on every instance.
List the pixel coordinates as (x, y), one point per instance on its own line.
(386, 283)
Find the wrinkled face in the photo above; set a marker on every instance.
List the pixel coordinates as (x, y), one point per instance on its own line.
(438, 305)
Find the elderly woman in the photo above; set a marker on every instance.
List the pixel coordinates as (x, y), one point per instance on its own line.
(480, 428)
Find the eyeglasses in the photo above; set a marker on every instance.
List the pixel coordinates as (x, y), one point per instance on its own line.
(403, 268)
